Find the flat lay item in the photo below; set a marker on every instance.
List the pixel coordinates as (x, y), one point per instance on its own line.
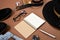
(24, 29)
(5, 13)
(37, 1)
(51, 12)
(9, 35)
(51, 35)
(30, 4)
(17, 3)
(34, 20)
(23, 12)
(35, 37)
(29, 25)
(27, 6)
(3, 27)
(31, 20)
(26, 1)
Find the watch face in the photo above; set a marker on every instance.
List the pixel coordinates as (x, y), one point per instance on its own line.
(51, 15)
(5, 13)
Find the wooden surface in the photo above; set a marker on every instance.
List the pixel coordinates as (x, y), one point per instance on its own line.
(38, 10)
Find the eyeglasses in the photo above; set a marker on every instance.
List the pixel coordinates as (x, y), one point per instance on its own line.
(23, 13)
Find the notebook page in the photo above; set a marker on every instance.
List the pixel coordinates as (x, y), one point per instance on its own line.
(24, 29)
(34, 20)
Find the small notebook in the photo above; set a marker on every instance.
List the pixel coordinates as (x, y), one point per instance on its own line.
(29, 25)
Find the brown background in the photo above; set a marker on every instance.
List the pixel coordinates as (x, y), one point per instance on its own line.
(38, 10)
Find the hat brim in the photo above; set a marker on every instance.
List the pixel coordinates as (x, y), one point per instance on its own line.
(5, 13)
(50, 16)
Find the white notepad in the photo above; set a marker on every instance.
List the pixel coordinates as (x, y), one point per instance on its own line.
(34, 20)
(29, 25)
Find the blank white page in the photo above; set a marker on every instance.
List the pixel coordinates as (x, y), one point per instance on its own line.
(34, 20)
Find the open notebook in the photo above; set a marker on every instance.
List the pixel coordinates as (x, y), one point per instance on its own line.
(29, 25)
